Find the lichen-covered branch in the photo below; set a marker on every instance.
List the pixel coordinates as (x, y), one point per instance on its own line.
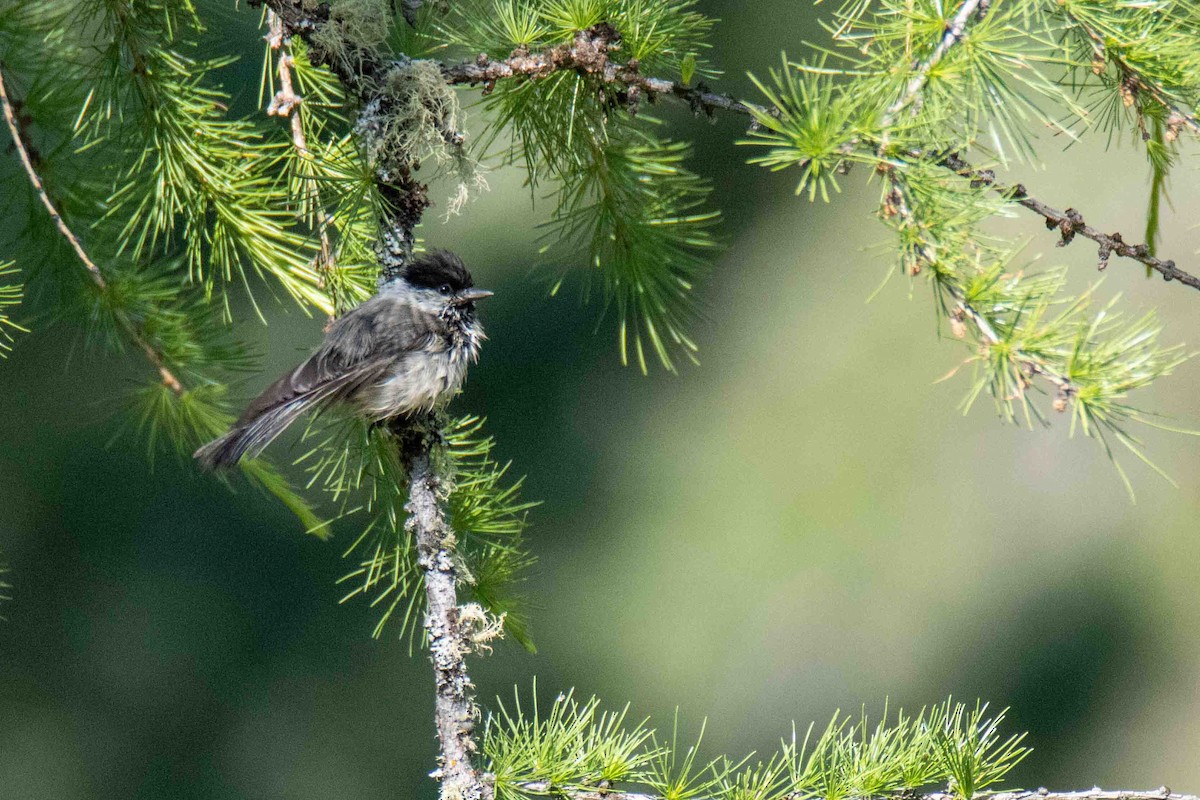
(361, 70)
(589, 54)
(449, 637)
(97, 277)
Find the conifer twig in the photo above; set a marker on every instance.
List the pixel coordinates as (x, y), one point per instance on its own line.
(14, 128)
(286, 103)
(10, 117)
(588, 53)
(916, 84)
(897, 204)
(1029, 364)
(1133, 77)
(1071, 222)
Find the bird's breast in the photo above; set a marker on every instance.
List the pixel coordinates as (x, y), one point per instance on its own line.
(418, 381)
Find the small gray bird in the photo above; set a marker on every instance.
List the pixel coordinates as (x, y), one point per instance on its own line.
(405, 350)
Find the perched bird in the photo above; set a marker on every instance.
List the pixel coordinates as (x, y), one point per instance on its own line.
(405, 350)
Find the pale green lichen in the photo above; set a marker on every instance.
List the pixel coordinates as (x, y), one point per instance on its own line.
(362, 24)
(415, 118)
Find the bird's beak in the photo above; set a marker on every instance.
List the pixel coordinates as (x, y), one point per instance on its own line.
(471, 295)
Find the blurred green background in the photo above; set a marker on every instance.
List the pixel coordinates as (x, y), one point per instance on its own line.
(805, 522)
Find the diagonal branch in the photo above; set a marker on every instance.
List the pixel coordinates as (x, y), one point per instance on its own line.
(1029, 364)
(1071, 222)
(589, 54)
(898, 205)
(155, 357)
(916, 84)
(360, 70)
(1133, 78)
(23, 151)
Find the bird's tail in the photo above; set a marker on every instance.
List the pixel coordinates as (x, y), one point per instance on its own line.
(249, 437)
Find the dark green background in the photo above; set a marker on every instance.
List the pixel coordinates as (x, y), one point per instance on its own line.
(804, 522)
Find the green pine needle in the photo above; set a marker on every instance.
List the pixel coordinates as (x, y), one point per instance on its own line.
(639, 214)
(575, 747)
(10, 297)
(358, 467)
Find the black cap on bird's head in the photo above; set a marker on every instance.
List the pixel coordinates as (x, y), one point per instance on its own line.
(444, 272)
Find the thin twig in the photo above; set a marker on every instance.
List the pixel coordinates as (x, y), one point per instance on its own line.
(97, 277)
(286, 103)
(1070, 223)
(39, 188)
(1030, 365)
(588, 54)
(916, 84)
(360, 69)
(897, 204)
(1179, 117)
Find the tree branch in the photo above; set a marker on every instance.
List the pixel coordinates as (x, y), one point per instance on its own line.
(455, 713)
(588, 54)
(1030, 365)
(23, 151)
(1132, 78)
(953, 35)
(898, 205)
(446, 624)
(1071, 222)
(359, 70)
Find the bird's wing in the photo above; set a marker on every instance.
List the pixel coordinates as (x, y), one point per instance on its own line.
(358, 348)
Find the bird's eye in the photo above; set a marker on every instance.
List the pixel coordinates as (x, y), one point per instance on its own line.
(444, 288)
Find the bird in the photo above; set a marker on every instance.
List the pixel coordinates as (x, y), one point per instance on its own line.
(402, 352)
